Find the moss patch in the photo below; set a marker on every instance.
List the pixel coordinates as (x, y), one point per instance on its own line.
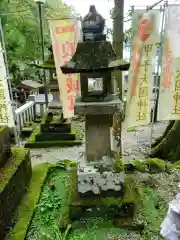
(118, 164)
(31, 143)
(52, 206)
(133, 129)
(152, 212)
(28, 203)
(130, 197)
(6, 172)
(156, 165)
(140, 165)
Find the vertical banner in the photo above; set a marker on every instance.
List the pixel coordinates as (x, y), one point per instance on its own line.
(6, 113)
(145, 31)
(169, 94)
(65, 35)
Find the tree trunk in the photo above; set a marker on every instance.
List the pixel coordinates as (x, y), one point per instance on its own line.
(159, 139)
(118, 38)
(169, 147)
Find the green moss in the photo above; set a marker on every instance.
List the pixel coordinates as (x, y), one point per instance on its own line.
(32, 143)
(54, 120)
(177, 164)
(52, 208)
(130, 197)
(118, 164)
(149, 213)
(156, 165)
(28, 204)
(140, 165)
(6, 172)
(2, 129)
(133, 129)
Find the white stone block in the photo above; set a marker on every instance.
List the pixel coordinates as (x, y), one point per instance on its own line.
(103, 188)
(95, 190)
(117, 188)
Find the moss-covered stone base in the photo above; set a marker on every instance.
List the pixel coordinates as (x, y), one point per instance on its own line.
(32, 143)
(14, 178)
(152, 165)
(107, 207)
(5, 145)
(28, 128)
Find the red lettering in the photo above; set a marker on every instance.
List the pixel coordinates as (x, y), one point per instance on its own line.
(71, 100)
(68, 50)
(71, 85)
(65, 29)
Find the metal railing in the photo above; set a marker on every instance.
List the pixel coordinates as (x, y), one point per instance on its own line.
(35, 106)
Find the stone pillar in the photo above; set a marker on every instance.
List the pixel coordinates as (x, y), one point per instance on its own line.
(97, 134)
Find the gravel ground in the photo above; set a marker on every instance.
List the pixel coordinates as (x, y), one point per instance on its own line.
(135, 145)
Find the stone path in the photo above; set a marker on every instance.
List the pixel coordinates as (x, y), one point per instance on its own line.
(135, 145)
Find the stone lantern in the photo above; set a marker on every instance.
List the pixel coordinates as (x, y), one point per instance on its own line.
(95, 59)
(101, 176)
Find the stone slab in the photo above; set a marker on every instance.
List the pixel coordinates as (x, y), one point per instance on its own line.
(14, 178)
(55, 136)
(55, 128)
(5, 146)
(97, 137)
(91, 181)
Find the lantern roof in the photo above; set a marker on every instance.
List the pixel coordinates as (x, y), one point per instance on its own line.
(94, 56)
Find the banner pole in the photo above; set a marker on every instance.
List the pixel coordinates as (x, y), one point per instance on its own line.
(157, 75)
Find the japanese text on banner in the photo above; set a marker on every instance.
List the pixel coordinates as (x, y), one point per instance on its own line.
(65, 35)
(169, 95)
(144, 46)
(6, 114)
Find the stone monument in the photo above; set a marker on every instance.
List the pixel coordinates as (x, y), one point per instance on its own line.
(102, 175)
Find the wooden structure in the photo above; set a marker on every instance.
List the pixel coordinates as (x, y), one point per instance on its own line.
(29, 87)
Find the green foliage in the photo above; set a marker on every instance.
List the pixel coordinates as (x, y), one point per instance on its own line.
(152, 211)
(156, 165)
(22, 32)
(53, 200)
(118, 164)
(140, 166)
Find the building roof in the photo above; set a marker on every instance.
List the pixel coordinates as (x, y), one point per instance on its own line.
(92, 57)
(32, 84)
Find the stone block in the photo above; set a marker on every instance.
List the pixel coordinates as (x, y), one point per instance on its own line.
(55, 128)
(14, 177)
(97, 138)
(92, 181)
(5, 146)
(55, 136)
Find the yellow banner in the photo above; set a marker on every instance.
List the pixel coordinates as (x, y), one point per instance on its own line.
(6, 111)
(65, 35)
(144, 45)
(169, 94)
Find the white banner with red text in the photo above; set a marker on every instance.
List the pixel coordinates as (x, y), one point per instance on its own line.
(145, 29)
(65, 35)
(6, 111)
(169, 94)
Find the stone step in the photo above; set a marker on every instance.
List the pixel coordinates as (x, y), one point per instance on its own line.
(55, 128)
(14, 177)
(55, 136)
(5, 148)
